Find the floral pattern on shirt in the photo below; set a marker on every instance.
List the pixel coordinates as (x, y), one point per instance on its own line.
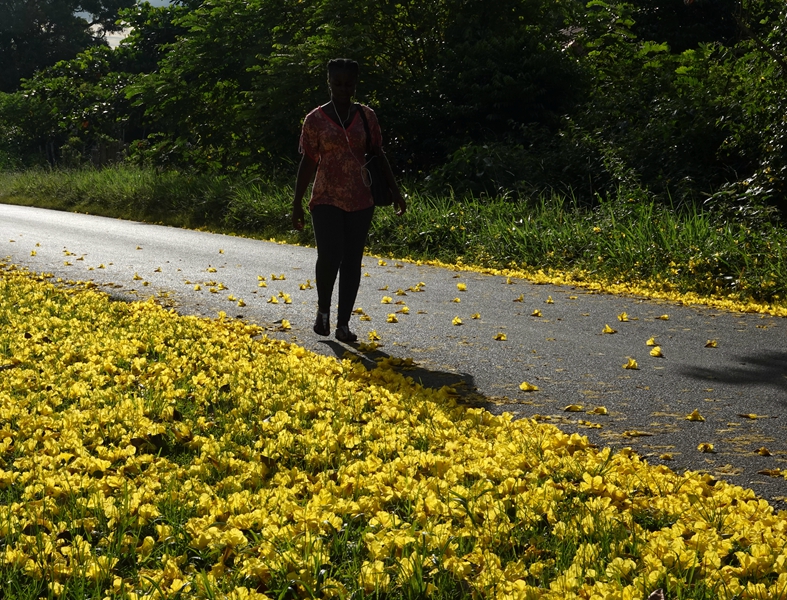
(339, 180)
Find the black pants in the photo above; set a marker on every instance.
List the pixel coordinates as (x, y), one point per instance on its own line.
(340, 237)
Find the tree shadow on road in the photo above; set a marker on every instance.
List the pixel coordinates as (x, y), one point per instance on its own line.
(766, 368)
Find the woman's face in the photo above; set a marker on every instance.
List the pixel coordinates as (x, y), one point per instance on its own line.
(342, 85)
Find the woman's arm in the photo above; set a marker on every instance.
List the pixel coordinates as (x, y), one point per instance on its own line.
(398, 199)
(306, 171)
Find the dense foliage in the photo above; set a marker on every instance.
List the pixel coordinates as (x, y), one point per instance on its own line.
(673, 100)
(38, 33)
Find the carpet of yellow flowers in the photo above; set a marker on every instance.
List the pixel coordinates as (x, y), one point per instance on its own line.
(145, 454)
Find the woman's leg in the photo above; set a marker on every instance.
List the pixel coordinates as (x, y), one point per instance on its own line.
(328, 224)
(356, 229)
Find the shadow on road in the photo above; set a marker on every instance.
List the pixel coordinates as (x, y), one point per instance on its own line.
(461, 382)
(766, 368)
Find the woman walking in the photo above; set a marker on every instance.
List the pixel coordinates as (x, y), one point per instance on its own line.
(333, 145)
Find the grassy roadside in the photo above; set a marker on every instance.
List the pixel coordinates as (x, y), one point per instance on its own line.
(162, 456)
(623, 244)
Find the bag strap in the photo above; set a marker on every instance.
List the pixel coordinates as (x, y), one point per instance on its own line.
(366, 128)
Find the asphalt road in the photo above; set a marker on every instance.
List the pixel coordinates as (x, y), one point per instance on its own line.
(739, 387)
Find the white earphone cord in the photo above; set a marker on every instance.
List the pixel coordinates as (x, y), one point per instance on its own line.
(366, 176)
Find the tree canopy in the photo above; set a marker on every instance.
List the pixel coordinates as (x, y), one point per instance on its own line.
(35, 34)
(678, 100)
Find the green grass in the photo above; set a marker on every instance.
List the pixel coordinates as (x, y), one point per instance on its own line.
(712, 251)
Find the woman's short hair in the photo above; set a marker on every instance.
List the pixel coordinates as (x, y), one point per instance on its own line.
(342, 65)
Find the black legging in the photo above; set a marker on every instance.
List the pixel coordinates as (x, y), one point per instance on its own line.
(340, 237)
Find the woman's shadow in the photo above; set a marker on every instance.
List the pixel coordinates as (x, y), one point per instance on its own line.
(462, 383)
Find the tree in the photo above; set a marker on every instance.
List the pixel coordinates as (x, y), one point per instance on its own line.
(35, 34)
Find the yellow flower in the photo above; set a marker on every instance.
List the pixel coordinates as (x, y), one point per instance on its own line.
(535, 313)
(574, 408)
(608, 329)
(475, 316)
(711, 344)
(651, 342)
(695, 416)
(631, 364)
(456, 321)
(462, 287)
(549, 300)
(500, 337)
(623, 317)
(663, 317)
(706, 448)
(273, 300)
(656, 351)
(456, 300)
(386, 300)
(392, 318)
(374, 336)
(528, 387)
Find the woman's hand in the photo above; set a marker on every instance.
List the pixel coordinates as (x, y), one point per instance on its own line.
(306, 171)
(399, 202)
(298, 218)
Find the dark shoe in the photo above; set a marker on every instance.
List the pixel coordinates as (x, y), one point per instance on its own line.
(322, 324)
(343, 334)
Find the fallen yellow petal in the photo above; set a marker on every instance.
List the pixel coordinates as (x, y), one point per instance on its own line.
(574, 408)
(599, 410)
(663, 317)
(528, 387)
(695, 416)
(764, 451)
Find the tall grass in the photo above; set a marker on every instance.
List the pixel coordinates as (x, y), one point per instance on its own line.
(712, 251)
